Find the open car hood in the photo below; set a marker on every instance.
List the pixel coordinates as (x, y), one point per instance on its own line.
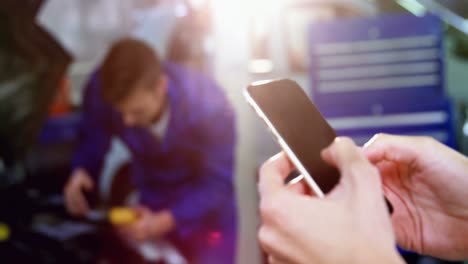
(32, 63)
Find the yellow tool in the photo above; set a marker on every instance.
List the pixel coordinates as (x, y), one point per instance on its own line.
(122, 216)
(4, 232)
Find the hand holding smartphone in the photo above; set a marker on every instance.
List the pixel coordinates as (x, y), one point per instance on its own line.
(298, 127)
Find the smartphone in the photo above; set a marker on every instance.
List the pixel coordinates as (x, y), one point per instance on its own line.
(298, 127)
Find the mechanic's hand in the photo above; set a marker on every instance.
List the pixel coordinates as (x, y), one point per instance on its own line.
(427, 184)
(75, 200)
(350, 225)
(149, 225)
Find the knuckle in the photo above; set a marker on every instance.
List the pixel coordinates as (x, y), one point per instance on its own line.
(271, 209)
(381, 136)
(264, 236)
(264, 169)
(426, 140)
(377, 138)
(266, 208)
(345, 144)
(346, 141)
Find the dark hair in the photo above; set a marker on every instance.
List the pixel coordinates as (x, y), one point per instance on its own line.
(128, 63)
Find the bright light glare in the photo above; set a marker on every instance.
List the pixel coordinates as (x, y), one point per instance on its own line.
(180, 10)
(237, 23)
(260, 12)
(260, 66)
(197, 3)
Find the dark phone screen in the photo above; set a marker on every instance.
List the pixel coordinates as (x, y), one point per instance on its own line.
(301, 126)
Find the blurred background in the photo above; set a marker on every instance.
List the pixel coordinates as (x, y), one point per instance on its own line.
(370, 66)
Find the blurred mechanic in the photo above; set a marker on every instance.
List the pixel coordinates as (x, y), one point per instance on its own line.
(180, 131)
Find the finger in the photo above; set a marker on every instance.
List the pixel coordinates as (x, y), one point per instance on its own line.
(274, 260)
(80, 203)
(342, 153)
(69, 203)
(273, 172)
(278, 260)
(141, 235)
(87, 183)
(360, 180)
(140, 211)
(271, 259)
(278, 250)
(269, 242)
(139, 231)
(126, 233)
(74, 204)
(356, 171)
(298, 186)
(130, 229)
(392, 148)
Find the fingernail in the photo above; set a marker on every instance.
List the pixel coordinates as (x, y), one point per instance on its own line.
(368, 143)
(277, 156)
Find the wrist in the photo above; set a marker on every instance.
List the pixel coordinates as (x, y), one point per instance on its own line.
(373, 253)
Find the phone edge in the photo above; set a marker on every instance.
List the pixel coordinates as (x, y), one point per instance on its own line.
(279, 139)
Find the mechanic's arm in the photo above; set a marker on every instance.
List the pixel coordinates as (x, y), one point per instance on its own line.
(214, 187)
(95, 130)
(93, 144)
